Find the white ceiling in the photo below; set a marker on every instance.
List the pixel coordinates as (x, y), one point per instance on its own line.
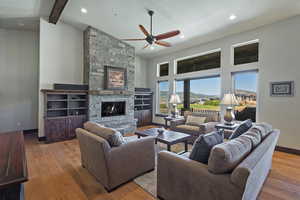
(199, 20)
(23, 14)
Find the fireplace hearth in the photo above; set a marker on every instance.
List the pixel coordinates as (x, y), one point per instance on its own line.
(110, 109)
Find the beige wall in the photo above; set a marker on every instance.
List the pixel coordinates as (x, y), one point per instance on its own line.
(18, 80)
(140, 72)
(61, 59)
(278, 61)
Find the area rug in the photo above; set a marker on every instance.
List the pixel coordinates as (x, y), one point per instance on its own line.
(148, 181)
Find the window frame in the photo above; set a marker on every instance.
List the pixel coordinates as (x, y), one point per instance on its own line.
(157, 109)
(197, 78)
(257, 87)
(158, 69)
(207, 77)
(193, 56)
(244, 44)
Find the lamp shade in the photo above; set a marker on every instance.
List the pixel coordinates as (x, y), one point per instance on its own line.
(229, 100)
(174, 99)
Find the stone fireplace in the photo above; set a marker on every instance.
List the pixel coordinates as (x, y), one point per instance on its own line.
(113, 108)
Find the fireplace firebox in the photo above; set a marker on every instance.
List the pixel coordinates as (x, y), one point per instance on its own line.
(115, 108)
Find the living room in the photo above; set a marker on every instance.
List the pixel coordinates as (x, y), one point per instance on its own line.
(128, 100)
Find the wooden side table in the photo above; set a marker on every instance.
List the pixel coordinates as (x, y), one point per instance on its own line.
(169, 118)
(228, 128)
(13, 166)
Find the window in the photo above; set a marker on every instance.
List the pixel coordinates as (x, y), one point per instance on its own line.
(163, 97)
(163, 69)
(245, 89)
(180, 92)
(205, 93)
(203, 62)
(246, 54)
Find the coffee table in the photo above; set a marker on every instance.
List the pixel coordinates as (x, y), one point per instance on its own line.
(168, 137)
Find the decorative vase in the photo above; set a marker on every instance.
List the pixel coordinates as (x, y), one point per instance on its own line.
(229, 116)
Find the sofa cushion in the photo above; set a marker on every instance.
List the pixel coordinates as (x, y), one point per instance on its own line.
(254, 136)
(194, 130)
(226, 156)
(242, 128)
(195, 120)
(263, 129)
(204, 144)
(113, 136)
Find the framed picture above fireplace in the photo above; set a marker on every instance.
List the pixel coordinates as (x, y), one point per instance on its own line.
(115, 78)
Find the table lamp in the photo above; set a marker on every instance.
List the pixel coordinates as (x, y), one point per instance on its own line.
(229, 100)
(174, 100)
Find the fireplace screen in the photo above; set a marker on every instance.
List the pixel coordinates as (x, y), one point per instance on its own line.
(109, 109)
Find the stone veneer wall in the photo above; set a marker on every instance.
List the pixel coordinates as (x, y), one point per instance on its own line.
(100, 50)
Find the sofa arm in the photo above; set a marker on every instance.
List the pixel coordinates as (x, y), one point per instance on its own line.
(176, 122)
(208, 127)
(178, 178)
(131, 159)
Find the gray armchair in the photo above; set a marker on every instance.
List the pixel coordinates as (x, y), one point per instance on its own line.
(207, 127)
(113, 166)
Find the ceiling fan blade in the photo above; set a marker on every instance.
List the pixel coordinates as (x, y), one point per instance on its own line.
(163, 43)
(134, 39)
(145, 46)
(167, 35)
(144, 30)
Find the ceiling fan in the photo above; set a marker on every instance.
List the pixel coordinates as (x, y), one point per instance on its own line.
(155, 39)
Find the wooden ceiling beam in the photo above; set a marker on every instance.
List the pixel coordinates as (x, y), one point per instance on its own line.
(57, 9)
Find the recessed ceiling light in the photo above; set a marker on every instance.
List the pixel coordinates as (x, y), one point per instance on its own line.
(83, 10)
(232, 17)
(181, 36)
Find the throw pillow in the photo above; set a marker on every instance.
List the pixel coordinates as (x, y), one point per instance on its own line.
(203, 145)
(113, 137)
(195, 120)
(243, 127)
(225, 157)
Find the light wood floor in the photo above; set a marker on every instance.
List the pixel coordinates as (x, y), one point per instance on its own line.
(55, 173)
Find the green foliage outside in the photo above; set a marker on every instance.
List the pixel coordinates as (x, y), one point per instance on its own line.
(208, 105)
(212, 103)
(200, 106)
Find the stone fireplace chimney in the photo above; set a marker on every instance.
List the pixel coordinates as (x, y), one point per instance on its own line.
(100, 50)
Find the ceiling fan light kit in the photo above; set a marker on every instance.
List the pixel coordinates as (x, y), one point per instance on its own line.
(154, 39)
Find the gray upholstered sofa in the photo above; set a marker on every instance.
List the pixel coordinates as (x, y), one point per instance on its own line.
(181, 178)
(113, 166)
(212, 119)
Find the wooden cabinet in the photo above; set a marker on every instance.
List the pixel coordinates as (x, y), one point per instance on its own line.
(73, 123)
(55, 129)
(143, 106)
(62, 128)
(144, 117)
(64, 112)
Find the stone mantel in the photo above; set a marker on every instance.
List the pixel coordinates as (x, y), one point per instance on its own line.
(110, 92)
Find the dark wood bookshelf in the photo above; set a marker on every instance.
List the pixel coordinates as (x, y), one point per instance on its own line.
(143, 101)
(64, 111)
